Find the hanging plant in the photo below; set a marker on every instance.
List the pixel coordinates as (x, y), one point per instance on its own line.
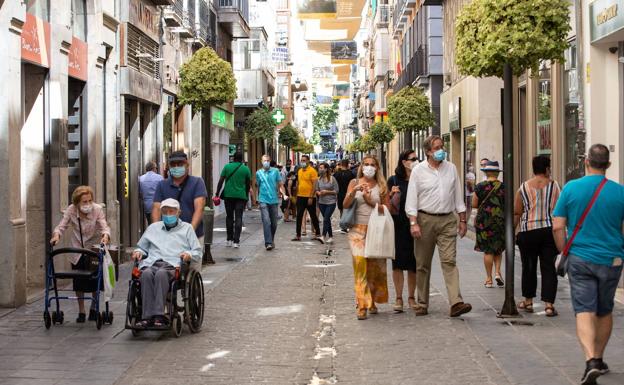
(366, 143)
(303, 147)
(381, 133)
(288, 136)
(260, 125)
(521, 33)
(206, 80)
(410, 110)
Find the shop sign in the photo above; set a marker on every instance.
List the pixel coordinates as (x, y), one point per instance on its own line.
(77, 64)
(221, 118)
(606, 17)
(278, 116)
(144, 17)
(36, 41)
(455, 114)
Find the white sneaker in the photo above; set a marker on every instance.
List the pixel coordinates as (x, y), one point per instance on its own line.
(228, 244)
(243, 228)
(330, 240)
(236, 245)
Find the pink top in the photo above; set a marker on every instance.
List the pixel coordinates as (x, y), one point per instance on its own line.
(92, 225)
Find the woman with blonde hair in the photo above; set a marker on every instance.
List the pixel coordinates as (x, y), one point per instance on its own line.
(366, 191)
(89, 226)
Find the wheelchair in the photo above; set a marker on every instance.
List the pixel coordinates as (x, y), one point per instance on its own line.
(190, 311)
(57, 316)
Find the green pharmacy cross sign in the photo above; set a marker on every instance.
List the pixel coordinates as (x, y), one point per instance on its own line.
(278, 116)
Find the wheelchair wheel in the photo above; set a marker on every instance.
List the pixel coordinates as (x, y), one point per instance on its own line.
(194, 304)
(176, 325)
(133, 307)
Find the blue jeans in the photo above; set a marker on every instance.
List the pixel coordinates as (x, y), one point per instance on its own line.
(327, 211)
(269, 221)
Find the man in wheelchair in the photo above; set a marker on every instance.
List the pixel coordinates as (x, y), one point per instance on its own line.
(161, 248)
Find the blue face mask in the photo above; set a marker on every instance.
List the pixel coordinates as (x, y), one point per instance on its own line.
(266, 165)
(170, 220)
(439, 155)
(177, 172)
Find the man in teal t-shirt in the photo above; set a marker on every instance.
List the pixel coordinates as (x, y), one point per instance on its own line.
(237, 179)
(594, 263)
(270, 190)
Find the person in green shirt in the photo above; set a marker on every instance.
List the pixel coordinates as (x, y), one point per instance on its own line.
(237, 179)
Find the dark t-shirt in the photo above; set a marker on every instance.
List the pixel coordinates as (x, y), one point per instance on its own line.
(194, 187)
(343, 177)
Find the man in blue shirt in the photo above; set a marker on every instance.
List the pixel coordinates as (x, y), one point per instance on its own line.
(189, 190)
(270, 192)
(595, 257)
(160, 250)
(147, 185)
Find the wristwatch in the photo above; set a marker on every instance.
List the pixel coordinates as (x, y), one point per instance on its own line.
(462, 220)
(413, 223)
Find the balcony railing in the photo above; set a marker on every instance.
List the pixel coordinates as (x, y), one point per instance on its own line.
(174, 14)
(416, 67)
(241, 5)
(207, 32)
(403, 9)
(382, 17)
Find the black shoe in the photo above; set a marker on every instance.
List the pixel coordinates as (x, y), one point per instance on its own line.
(603, 367)
(92, 315)
(269, 246)
(81, 318)
(592, 372)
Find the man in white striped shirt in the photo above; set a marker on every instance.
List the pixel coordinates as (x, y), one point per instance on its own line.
(434, 198)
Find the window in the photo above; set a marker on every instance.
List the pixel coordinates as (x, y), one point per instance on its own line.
(573, 151)
(39, 8)
(544, 110)
(79, 19)
(142, 52)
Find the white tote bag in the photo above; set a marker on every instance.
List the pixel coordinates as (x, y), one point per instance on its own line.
(108, 276)
(380, 235)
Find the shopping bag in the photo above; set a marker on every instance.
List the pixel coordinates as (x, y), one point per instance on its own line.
(380, 235)
(108, 276)
(347, 219)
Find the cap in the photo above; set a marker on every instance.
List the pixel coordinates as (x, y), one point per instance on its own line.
(177, 156)
(170, 202)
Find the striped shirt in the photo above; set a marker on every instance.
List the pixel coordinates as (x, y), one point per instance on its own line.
(538, 205)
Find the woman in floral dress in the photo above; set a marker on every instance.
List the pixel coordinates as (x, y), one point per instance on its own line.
(488, 199)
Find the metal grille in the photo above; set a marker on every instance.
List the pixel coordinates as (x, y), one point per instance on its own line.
(142, 52)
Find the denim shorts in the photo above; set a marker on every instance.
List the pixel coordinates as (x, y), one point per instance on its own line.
(592, 286)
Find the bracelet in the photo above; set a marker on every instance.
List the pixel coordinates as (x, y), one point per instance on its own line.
(462, 220)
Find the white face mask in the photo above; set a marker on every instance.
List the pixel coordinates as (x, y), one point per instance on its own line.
(369, 171)
(86, 209)
(409, 164)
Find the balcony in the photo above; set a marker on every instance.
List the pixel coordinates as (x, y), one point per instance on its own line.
(206, 33)
(174, 14)
(234, 16)
(388, 80)
(403, 9)
(416, 71)
(163, 2)
(382, 16)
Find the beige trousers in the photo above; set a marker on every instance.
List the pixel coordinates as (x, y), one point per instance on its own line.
(438, 231)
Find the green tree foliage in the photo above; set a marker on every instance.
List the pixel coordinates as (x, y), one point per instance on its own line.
(366, 143)
(491, 33)
(381, 133)
(260, 125)
(410, 110)
(322, 119)
(288, 136)
(303, 147)
(206, 80)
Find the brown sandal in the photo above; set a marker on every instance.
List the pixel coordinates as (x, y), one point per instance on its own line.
(551, 311)
(398, 305)
(526, 306)
(411, 302)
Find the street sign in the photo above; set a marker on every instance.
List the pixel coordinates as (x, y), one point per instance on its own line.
(278, 116)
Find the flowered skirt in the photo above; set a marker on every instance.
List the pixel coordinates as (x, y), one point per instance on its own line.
(371, 281)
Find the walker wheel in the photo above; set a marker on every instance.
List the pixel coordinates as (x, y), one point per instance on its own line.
(99, 320)
(57, 318)
(110, 318)
(47, 320)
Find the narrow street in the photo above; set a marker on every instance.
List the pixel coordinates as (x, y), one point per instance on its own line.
(288, 317)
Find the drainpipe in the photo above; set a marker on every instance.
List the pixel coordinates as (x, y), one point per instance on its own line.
(581, 133)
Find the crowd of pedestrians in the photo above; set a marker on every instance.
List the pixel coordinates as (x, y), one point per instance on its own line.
(577, 230)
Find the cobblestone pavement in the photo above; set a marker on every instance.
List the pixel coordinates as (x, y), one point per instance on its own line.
(288, 317)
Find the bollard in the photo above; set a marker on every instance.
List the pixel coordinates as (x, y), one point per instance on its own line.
(208, 228)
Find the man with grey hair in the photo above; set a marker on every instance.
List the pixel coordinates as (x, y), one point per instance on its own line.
(434, 200)
(147, 188)
(591, 209)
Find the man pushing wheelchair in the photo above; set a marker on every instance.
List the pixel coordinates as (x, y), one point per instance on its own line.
(162, 248)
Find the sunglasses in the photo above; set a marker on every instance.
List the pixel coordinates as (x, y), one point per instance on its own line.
(412, 159)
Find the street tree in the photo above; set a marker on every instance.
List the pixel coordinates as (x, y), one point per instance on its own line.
(288, 137)
(504, 38)
(381, 133)
(260, 125)
(303, 147)
(410, 110)
(206, 80)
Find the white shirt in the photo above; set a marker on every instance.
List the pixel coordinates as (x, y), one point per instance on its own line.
(436, 191)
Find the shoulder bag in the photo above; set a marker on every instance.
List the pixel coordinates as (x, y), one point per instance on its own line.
(347, 220)
(562, 262)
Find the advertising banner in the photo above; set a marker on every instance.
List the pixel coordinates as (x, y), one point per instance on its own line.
(341, 91)
(316, 9)
(344, 52)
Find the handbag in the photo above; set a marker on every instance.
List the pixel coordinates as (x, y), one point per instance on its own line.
(380, 235)
(562, 261)
(347, 220)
